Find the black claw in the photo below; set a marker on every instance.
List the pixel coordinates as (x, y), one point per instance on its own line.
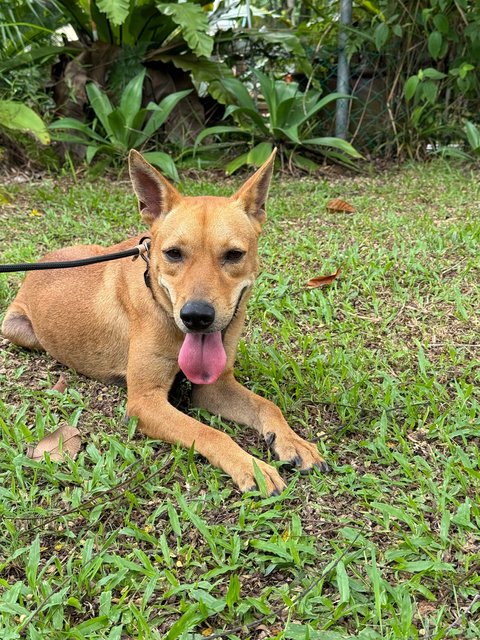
(296, 461)
(253, 488)
(270, 438)
(275, 492)
(322, 467)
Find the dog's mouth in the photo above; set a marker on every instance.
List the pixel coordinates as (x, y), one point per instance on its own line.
(202, 357)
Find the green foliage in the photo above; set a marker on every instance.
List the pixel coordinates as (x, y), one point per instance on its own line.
(288, 122)
(19, 117)
(431, 75)
(473, 137)
(128, 126)
(193, 23)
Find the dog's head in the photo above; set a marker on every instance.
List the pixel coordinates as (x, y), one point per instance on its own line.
(203, 258)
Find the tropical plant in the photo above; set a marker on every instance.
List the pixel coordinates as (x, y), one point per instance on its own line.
(473, 137)
(19, 117)
(288, 122)
(116, 130)
(172, 35)
(426, 54)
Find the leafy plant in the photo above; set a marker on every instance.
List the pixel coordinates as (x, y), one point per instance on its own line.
(147, 31)
(18, 117)
(473, 137)
(288, 122)
(116, 130)
(427, 58)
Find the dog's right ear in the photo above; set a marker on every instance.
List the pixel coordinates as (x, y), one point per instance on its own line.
(156, 196)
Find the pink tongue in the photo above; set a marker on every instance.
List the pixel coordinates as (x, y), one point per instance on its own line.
(202, 357)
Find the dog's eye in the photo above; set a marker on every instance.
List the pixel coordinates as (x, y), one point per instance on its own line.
(173, 255)
(234, 255)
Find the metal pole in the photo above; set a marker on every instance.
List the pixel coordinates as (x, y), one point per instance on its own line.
(343, 71)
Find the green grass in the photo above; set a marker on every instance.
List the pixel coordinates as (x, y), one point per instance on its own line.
(136, 539)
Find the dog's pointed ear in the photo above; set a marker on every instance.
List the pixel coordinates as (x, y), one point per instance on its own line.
(156, 196)
(254, 192)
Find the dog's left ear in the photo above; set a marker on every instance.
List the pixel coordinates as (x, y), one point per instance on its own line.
(254, 192)
(156, 196)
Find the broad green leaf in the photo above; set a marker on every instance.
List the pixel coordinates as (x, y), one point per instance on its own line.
(251, 114)
(267, 86)
(343, 582)
(92, 625)
(304, 163)
(193, 21)
(260, 153)
(286, 112)
(131, 100)
(410, 87)
(429, 91)
(210, 72)
(187, 621)
(381, 35)
(433, 74)
(434, 42)
(214, 131)
(75, 125)
(233, 592)
(259, 477)
(100, 104)
(164, 162)
(118, 127)
(159, 113)
(115, 10)
(33, 563)
(18, 117)
(91, 152)
(441, 22)
(239, 93)
(417, 566)
(236, 163)
(335, 143)
(291, 133)
(303, 113)
(473, 135)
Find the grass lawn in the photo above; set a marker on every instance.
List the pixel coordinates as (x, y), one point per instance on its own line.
(136, 539)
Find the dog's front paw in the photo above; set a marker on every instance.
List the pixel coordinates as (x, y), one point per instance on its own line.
(296, 451)
(245, 477)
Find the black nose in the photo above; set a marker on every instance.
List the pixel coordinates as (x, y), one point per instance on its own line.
(197, 315)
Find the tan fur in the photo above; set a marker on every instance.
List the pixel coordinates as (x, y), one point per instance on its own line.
(104, 322)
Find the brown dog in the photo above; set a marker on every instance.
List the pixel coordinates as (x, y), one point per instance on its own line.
(103, 321)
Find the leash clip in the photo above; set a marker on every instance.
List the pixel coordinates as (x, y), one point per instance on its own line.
(143, 248)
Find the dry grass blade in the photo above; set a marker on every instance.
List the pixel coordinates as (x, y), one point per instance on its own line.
(323, 281)
(340, 205)
(61, 384)
(64, 440)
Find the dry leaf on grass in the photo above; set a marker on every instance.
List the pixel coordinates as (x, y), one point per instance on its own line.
(323, 281)
(61, 384)
(340, 205)
(65, 439)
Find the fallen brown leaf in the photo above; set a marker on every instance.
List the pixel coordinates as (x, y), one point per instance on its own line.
(323, 281)
(340, 205)
(61, 384)
(65, 439)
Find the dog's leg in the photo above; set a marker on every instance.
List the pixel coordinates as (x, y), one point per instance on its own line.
(158, 419)
(230, 399)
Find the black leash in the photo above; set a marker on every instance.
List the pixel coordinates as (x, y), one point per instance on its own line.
(139, 250)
